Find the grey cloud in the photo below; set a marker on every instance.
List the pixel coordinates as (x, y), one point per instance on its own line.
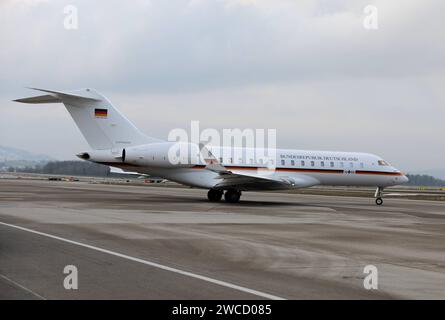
(179, 46)
(307, 68)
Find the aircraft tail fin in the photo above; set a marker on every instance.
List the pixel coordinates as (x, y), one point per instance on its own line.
(102, 125)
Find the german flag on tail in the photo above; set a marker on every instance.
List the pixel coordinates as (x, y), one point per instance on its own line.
(100, 113)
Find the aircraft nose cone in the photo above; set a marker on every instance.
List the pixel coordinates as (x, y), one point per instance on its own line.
(405, 179)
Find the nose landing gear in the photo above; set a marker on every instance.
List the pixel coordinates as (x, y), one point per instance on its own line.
(378, 196)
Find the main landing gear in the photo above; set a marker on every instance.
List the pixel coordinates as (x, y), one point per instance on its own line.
(214, 195)
(231, 195)
(378, 196)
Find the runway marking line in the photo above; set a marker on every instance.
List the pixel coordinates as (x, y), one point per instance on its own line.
(22, 287)
(151, 264)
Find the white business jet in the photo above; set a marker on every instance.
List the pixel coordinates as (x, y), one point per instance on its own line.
(116, 142)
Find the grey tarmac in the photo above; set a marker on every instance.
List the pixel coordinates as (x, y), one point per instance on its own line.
(291, 246)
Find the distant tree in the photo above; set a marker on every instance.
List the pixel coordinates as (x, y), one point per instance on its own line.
(424, 180)
(75, 168)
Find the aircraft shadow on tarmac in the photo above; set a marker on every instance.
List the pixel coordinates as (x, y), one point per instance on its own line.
(242, 203)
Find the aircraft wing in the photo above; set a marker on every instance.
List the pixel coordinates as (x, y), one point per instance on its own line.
(123, 171)
(248, 182)
(263, 179)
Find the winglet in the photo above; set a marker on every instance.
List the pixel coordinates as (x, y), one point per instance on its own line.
(212, 163)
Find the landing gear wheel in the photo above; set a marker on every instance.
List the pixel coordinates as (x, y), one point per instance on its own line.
(232, 196)
(378, 196)
(379, 201)
(214, 195)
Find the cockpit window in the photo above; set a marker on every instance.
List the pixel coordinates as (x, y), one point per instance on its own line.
(383, 163)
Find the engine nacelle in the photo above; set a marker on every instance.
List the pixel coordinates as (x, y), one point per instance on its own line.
(101, 156)
(163, 155)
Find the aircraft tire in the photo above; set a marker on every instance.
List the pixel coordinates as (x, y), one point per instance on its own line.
(232, 196)
(214, 195)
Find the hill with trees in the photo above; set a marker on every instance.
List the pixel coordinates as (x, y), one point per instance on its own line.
(72, 168)
(424, 180)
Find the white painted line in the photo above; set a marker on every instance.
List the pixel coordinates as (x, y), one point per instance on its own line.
(151, 264)
(22, 287)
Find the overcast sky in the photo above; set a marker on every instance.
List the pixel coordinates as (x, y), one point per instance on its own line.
(306, 68)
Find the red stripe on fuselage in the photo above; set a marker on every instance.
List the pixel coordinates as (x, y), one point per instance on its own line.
(336, 171)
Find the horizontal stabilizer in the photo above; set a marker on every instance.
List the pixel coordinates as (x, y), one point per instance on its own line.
(58, 96)
(39, 99)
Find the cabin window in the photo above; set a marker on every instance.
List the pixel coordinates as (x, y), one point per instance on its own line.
(292, 162)
(230, 160)
(283, 162)
(361, 165)
(220, 160)
(312, 163)
(332, 164)
(351, 164)
(342, 164)
(302, 163)
(322, 163)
